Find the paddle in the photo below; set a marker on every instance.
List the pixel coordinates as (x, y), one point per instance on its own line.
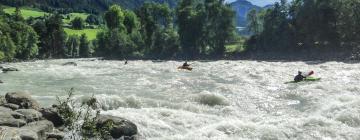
(309, 74)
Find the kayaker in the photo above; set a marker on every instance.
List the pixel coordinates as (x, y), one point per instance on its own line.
(186, 64)
(299, 77)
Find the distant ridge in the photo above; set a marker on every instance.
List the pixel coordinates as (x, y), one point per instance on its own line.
(242, 7)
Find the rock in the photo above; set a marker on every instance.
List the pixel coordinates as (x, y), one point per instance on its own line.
(9, 69)
(1, 82)
(2, 100)
(22, 99)
(121, 127)
(30, 114)
(26, 134)
(11, 106)
(57, 135)
(40, 128)
(52, 115)
(6, 119)
(69, 64)
(9, 133)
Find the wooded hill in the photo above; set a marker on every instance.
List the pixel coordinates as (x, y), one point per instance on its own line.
(88, 6)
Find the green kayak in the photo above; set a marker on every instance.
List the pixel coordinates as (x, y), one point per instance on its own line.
(307, 79)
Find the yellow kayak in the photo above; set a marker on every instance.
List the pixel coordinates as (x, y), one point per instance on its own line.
(185, 68)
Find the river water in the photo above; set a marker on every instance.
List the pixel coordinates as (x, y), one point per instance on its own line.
(218, 100)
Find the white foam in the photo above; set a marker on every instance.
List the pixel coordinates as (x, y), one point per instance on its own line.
(218, 100)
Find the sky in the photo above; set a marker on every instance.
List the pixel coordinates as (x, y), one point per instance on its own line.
(258, 2)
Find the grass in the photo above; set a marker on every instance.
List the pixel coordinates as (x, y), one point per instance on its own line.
(26, 13)
(234, 48)
(90, 33)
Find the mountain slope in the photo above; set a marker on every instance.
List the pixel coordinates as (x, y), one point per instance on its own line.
(90, 6)
(242, 7)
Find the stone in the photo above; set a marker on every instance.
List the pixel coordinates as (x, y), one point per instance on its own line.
(58, 135)
(69, 64)
(23, 99)
(26, 134)
(52, 115)
(10, 118)
(9, 69)
(11, 106)
(30, 114)
(9, 133)
(40, 128)
(2, 100)
(121, 126)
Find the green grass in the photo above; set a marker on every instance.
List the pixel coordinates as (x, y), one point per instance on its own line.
(74, 15)
(234, 48)
(90, 33)
(26, 13)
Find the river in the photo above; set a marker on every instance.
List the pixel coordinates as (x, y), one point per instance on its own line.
(218, 100)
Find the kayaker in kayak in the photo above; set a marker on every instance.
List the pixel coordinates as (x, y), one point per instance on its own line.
(299, 77)
(186, 64)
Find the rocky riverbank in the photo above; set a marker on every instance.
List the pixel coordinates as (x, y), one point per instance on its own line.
(22, 118)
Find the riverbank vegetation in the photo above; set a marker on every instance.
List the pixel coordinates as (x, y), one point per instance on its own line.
(306, 26)
(188, 29)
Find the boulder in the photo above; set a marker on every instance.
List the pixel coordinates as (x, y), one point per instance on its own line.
(11, 106)
(11, 118)
(26, 134)
(69, 64)
(9, 69)
(22, 99)
(9, 133)
(40, 128)
(57, 135)
(52, 115)
(121, 127)
(2, 100)
(30, 114)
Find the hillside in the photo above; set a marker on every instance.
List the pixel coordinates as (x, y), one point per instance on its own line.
(242, 7)
(89, 6)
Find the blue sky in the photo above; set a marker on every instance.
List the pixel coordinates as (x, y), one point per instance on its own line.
(259, 2)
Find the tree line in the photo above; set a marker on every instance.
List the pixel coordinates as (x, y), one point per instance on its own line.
(310, 25)
(195, 28)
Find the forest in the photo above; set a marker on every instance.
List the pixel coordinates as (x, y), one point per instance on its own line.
(189, 29)
(306, 25)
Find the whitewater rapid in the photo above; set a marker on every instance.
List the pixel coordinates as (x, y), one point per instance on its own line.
(218, 100)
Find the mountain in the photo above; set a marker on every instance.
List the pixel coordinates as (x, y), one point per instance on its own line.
(242, 7)
(90, 6)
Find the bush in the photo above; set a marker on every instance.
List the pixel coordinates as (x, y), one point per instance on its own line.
(78, 23)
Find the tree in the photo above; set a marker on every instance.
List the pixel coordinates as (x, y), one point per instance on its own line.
(17, 15)
(55, 37)
(93, 20)
(72, 45)
(25, 40)
(253, 22)
(114, 18)
(7, 47)
(131, 21)
(156, 22)
(191, 20)
(78, 23)
(84, 46)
